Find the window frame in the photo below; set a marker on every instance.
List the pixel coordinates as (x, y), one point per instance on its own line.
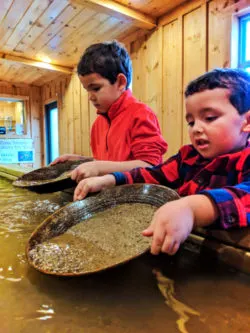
(242, 62)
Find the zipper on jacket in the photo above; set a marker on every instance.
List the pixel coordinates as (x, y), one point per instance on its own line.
(109, 123)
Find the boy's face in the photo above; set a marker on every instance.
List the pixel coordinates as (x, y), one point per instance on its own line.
(101, 92)
(215, 126)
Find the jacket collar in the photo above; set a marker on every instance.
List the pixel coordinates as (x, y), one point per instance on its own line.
(119, 105)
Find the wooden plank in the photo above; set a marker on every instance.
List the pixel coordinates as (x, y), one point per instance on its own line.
(36, 124)
(44, 78)
(181, 10)
(63, 134)
(85, 122)
(76, 111)
(154, 8)
(53, 11)
(4, 8)
(152, 94)
(36, 8)
(219, 40)
(194, 58)
(11, 19)
(14, 74)
(118, 30)
(59, 108)
(52, 30)
(147, 71)
(39, 64)
(94, 36)
(129, 38)
(92, 115)
(69, 139)
(59, 43)
(119, 11)
(35, 77)
(138, 68)
(172, 112)
(233, 6)
(72, 45)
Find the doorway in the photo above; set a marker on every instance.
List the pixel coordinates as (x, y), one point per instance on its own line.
(51, 129)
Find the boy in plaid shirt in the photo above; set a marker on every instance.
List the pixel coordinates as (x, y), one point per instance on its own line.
(212, 175)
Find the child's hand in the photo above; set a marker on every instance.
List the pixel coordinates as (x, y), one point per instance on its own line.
(173, 222)
(171, 225)
(66, 157)
(93, 184)
(85, 170)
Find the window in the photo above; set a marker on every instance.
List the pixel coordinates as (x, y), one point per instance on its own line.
(13, 117)
(244, 42)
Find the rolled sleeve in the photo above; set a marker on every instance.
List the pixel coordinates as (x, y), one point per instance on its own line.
(231, 206)
(120, 178)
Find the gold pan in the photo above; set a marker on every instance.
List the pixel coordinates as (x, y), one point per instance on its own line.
(97, 233)
(51, 178)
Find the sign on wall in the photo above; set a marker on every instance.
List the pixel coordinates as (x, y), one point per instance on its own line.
(16, 151)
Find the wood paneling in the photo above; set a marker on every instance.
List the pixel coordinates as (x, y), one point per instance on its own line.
(172, 114)
(35, 117)
(147, 71)
(220, 25)
(194, 51)
(154, 8)
(74, 114)
(196, 38)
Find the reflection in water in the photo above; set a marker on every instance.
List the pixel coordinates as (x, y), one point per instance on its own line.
(125, 299)
(166, 287)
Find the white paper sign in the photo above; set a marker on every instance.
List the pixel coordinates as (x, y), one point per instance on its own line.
(16, 151)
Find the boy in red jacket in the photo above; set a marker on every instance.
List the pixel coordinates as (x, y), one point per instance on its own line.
(212, 175)
(126, 133)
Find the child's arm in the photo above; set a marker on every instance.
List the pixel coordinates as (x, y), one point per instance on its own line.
(67, 157)
(137, 175)
(93, 184)
(100, 168)
(173, 222)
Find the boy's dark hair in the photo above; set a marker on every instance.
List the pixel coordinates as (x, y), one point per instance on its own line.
(236, 80)
(108, 59)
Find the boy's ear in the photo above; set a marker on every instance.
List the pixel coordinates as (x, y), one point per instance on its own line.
(246, 124)
(121, 81)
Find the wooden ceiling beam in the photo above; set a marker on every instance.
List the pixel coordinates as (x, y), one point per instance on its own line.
(119, 11)
(35, 63)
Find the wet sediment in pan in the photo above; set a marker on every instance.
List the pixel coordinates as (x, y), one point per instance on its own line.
(106, 239)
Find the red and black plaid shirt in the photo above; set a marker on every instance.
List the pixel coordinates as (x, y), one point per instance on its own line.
(225, 179)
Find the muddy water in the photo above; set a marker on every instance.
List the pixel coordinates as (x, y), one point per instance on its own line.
(190, 292)
(106, 239)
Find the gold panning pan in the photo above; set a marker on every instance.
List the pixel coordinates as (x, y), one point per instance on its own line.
(97, 233)
(51, 178)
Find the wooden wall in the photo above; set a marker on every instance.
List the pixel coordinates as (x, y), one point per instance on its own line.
(75, 114)
(190, 40)
(34, 114)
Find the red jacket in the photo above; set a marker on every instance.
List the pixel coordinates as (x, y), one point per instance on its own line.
(128, 131)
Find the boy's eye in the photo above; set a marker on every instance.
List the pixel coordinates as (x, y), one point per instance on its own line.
(211, 118)
(190, 123)
(96, 89)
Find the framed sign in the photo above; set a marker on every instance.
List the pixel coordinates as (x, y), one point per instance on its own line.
(16, 151)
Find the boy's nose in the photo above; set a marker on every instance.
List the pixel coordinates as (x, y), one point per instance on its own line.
(197, 128)
(91, 97)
